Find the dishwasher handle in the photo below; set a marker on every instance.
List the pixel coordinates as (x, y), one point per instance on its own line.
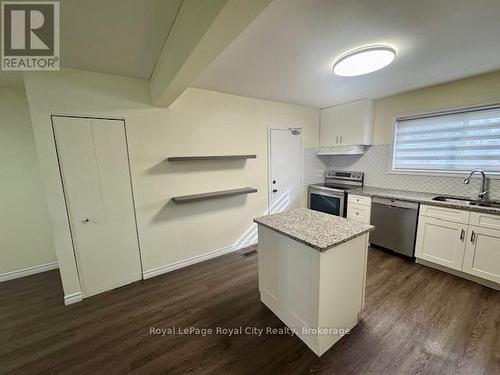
(395, 203)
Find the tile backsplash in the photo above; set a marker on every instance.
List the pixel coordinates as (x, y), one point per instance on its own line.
(314, 167)
(376, 165)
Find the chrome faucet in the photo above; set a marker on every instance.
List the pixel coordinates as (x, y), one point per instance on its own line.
(482, 193)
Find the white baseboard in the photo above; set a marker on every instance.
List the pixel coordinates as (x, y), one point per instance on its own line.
(463, 275)
(28, 271)
(73, 298)
(197, 259)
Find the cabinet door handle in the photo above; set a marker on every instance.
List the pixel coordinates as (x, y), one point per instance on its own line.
(341, 137)
(472, 236)
(337, 139)
(462, 234)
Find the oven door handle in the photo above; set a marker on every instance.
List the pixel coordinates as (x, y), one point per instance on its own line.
(327, 194)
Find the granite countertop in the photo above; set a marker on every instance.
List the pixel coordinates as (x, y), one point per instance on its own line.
(415, 196)
(316, 229)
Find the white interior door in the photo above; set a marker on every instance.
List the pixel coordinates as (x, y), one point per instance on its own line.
(285, 169)
(94, 166)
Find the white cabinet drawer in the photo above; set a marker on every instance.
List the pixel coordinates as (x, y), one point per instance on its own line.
(358, 212)
(485, 220)
(451, 214)
(358, 199)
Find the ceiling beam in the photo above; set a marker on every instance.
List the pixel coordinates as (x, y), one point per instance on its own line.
(201, 31)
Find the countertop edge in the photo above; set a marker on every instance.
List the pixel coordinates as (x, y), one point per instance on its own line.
(320, 249)
(429, 202)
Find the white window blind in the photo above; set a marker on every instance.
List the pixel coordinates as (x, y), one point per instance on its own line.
(449, 142)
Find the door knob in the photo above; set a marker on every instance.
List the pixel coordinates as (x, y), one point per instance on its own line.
(86, 221)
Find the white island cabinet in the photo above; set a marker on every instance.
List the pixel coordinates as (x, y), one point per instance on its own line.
(312, 272)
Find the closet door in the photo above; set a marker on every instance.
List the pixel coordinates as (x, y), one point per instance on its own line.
(94, 167)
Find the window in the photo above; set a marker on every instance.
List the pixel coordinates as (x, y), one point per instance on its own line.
(456, 141)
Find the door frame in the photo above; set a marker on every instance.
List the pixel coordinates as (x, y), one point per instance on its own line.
(269, 177)
(61, 181)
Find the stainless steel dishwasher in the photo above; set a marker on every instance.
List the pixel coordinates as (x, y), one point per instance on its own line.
(395, 224)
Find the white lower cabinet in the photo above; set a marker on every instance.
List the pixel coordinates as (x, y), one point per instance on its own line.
(359, 208)
(459, 244)
(482, 254)
(358, 212)
(441, 241)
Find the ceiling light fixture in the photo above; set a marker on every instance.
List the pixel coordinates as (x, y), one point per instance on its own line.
(364, 60)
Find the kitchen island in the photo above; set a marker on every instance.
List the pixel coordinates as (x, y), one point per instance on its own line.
(312, 272)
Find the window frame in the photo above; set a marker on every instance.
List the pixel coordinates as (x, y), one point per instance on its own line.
(438, 173)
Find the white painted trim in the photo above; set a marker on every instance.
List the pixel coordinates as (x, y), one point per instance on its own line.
(197, 259)
(269, 128)
(28, 271)
(73, 298)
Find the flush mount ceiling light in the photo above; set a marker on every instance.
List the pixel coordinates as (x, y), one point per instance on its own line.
(364, 60)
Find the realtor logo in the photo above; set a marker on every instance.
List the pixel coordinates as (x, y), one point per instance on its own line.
(30, 35)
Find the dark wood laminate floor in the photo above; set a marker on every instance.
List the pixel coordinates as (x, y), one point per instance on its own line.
(417, 320)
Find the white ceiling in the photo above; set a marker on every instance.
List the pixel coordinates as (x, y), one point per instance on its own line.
(11, 80)
(123, 37)
(287, 53)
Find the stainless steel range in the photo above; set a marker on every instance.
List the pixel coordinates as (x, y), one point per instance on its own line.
(330, 197)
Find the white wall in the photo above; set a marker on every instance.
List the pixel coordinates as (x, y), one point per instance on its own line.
(25, 232)
(376, 163)
(478, 90)
(199, 122)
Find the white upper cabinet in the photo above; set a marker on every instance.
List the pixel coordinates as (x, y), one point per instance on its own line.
(347, 124)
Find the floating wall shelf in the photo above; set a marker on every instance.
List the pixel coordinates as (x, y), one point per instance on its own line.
(211, 157)
(213, 195)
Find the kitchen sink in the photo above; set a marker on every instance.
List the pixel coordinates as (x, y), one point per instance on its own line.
(450, 199)
(471, 202)
(493, 204)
